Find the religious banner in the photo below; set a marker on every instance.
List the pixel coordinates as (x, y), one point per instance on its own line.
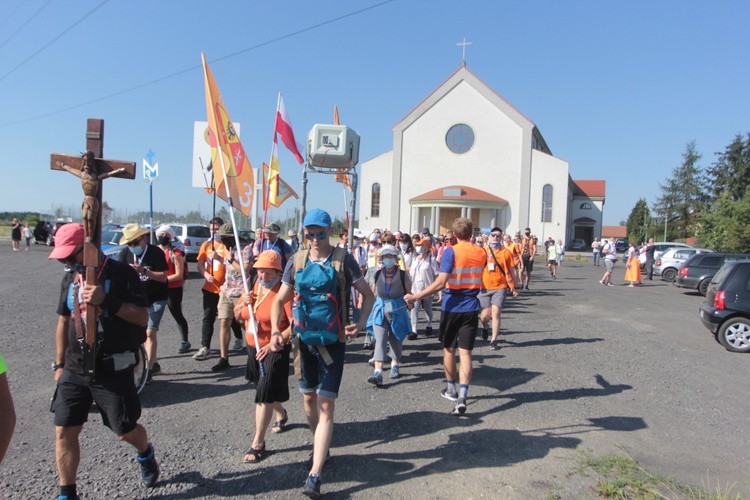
(285, 190)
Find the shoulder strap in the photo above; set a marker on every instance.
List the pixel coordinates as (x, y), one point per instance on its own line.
(300, 258)
(337, 261)
(403, 279)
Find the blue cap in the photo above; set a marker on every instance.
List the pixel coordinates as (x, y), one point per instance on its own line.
(317, 217)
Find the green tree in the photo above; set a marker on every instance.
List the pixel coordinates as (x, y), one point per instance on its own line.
(731, 172)
(640, 224)
(682, 196)
(725, 226)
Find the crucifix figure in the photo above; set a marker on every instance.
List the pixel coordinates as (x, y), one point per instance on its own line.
(92, 169)
(463, 46)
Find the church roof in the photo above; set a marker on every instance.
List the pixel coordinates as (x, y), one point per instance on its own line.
(592, 189)
(460, 193)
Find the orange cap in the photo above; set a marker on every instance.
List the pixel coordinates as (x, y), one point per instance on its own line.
(268, 259)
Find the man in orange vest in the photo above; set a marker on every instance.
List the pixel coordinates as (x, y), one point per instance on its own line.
(528, 250)
(461, 275)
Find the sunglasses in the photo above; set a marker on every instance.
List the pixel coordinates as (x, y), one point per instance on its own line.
(317, 236)
(496, 235)
(135, 243)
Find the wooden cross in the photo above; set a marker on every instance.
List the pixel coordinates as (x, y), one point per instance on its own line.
(92, 170)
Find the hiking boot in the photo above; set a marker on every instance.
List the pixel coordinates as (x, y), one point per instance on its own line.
(411, 336)
(149, 468)
(450, 396)
(184, 347)
(394, 371)
(428, 330)
(460, 408)
(376, 379)
(237, 345)
(203, 353)
(222, 365)
(485, 334)
(311, 488)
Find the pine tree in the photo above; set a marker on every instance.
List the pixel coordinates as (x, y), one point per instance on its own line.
(730, 173)
(683, 195)
(640, 225)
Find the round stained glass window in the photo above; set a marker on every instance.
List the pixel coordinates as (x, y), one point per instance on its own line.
(460, 138)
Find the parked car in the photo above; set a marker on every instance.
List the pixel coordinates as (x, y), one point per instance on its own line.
(697, 271)
(44, 231)
(726, 310)
(659, 249)
(621, 245)
(668, 264)
(192, 237)
(577, 245)
(111, 240)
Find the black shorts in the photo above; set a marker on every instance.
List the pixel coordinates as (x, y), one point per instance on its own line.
(459, 329)
(316, 374)
(274, 386)
(115, 395)
(528, 263)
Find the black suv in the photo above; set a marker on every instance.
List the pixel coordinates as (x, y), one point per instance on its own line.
(726, 310)
(697, 271)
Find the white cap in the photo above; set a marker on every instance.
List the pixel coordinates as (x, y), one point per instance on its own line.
(165, 228)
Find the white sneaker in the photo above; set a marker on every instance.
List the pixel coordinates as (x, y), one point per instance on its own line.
(203, 353)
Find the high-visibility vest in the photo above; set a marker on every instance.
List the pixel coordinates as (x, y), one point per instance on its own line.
(468, 266)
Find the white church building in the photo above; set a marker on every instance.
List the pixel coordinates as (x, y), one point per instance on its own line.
(464, 151)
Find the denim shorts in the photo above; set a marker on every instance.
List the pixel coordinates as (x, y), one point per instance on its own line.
(155, 312)
(316, 374)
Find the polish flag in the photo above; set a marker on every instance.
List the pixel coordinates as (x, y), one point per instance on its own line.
(284, 127)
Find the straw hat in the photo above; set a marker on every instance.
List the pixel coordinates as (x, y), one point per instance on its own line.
(132, 232)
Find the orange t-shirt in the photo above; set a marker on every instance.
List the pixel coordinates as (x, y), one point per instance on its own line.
(262, 311)
(500, 276)
(216, 267)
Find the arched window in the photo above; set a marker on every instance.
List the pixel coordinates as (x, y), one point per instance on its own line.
(585, 206)
(547, 203)
(375, 201)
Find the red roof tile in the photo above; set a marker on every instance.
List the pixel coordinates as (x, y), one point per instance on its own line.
(614, 232)
(592, 189)
(467, 194)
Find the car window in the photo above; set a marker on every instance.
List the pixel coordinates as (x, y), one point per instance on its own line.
(722, 272)
(199, 232)
(711, 261)
(683, 254)
(177, 230)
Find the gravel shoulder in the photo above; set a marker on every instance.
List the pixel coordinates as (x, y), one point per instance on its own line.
(583, 367)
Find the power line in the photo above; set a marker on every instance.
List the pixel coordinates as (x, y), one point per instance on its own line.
(53, 40)
(24, 24)
(196, 67)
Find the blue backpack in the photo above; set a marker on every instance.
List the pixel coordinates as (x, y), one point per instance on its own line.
(320, 291)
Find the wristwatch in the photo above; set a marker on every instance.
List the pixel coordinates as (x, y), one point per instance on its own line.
(57, 366)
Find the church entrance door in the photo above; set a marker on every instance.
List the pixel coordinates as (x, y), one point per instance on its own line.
(447, 216)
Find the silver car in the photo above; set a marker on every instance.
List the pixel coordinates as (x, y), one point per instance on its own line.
(668, 264)
(192, 237)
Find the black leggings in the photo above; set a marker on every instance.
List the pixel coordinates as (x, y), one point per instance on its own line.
(210, 311)
(174, 302)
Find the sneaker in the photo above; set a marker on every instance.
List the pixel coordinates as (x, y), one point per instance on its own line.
(376, 379)
(394, 371)
(184, 347)
(68, 497)
(460, 408)
(149, 468)
(428, 330)
(631, 286)
(485, 334)
(495, 345)
(156, 368)
(411, 336)
(601, 282)
(609, 283)
(203, 353)
(237, 345)
(222, 365)
(367, 345)
(311, 488)
(450, 396)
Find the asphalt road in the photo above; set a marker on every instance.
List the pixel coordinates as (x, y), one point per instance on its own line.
(583, 367)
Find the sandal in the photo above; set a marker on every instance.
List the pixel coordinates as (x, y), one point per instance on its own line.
(254, 456)
(278, 426)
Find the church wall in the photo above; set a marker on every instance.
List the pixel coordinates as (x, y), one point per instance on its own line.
(493, 164)
(546, 169)
(375, 170)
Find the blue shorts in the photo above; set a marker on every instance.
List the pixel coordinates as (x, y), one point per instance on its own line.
(155, 312)
(316, 374)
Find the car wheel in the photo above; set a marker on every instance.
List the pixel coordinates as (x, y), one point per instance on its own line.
(669, 274)
(703, 287)
(734, 334)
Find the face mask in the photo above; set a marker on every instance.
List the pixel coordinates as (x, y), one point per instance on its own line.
(527, 234)
(389, 263)
(404, 247)
(137, 250)
(418, 250)
(495, 244)
(268, 284)
(164, 240)
(227, 241)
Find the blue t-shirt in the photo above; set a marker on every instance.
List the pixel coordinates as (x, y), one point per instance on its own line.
(279, 246)
(458, 301)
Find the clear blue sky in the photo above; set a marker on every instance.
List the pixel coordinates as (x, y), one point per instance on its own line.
(616, 88)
